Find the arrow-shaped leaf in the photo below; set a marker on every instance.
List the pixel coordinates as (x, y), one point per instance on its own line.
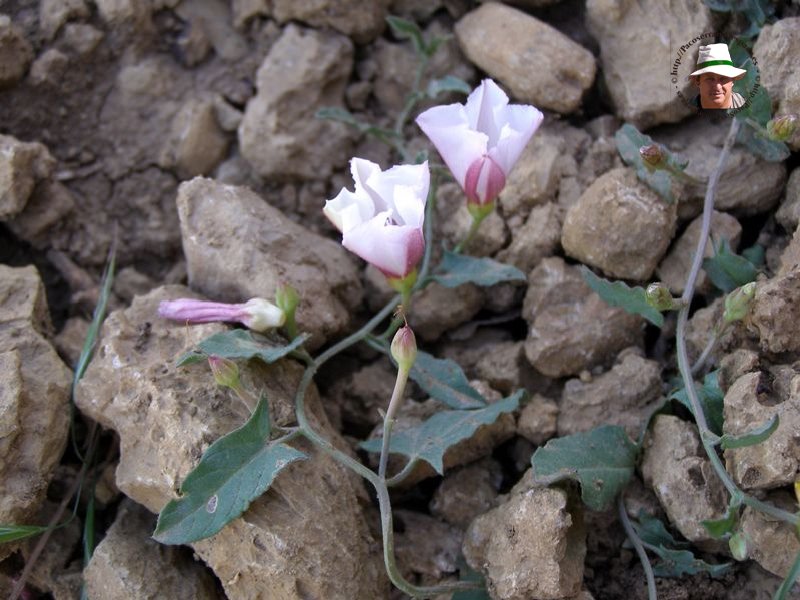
(617, 293)
(751, 438)
(458, 269)
(430, 440)
(240, 343)
(233, 472)
(443, 379)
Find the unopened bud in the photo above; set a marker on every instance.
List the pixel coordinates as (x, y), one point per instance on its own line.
(260, 315)
(404, 348)
(738, 546)
(737, 303)
(287, 298)
(654, 156)
(782, 128)
(659, 297)
(225, 371)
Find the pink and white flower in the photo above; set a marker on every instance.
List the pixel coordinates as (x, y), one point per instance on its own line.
(256, 314)
(481, 140)
(381, 221)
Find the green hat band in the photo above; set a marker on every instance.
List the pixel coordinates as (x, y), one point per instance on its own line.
(712, 63)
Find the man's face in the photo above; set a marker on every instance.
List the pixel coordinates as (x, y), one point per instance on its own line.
(715, 90)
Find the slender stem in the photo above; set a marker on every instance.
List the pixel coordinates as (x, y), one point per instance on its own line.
(360, 334)
(388, 420)
(791, 578)
(637, 544)
(680, 337)
(405, 472)
(710, 345)
(473, 229)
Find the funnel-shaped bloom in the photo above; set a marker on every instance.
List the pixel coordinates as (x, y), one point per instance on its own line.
(482, 140)
(382, 220)
(256, 314)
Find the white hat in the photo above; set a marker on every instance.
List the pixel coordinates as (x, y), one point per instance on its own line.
(715, 58)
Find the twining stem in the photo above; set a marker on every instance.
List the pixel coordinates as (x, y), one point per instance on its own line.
(683, 359)
(637, 544)
(477, 219)
(388, 420)
(710, 345)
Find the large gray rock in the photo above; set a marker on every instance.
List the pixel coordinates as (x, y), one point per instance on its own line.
(676, 468)
(128, 563)
(775, 314)
(621, 396)
(196, 144)
(22, 166)
(467, 492)
(532, 546)
(16, 53)
(507, 43)
(636, 73)
(437, 309)
(167, 416)
(34, 398)
(54, 13)
(268, 249)
(773, 544)
(538, 238)
(619, 225)
(569, 327)
(752, 401)
(788, 213)
(279, 135)
(776, 51)
(361, 20)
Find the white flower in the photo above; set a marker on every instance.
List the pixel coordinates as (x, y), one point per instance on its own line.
(482, 140)
(382, 220)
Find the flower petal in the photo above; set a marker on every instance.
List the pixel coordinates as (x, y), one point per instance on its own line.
(484, 109)
(393, 249)
(520, 123)
(459, 145)
(348, 209)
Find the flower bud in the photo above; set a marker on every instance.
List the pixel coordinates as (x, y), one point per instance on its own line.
(404, 348)
(484, 181)
(737, 303)
(654, 156)
(287, 299)
(782, 128)
(225, 371)
(659, 297)
(260, 315)
(738, 546)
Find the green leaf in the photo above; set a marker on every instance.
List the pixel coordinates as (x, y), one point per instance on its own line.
(755, 254)
(602, 460)
(720, 528)
(652, 531)
(711, 400)
(335, 113)
(233, 472)
(404, 29)
(430, 440)
(444, 380)
(727, 270)
(10, 533)
(755, 11)
(467, 574)
(458, 269)
(756, 436)
(240, 343)
(617, 293)
(676, 563)
(758, 106)
(629, 140)
(450, 83)
(759, 144)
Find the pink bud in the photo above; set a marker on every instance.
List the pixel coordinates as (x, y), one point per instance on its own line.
(404, 348)
(256, 314)
(484, 181)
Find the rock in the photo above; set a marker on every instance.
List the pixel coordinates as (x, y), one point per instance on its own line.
(632, 76)
(167, 416)
(532, 546)
(228, 117)
(505, 42)
(790, 257)
(128, 563)
(538, 238)
(425, 547)
(502, 366)
(69, 341)
(619, 225)
(22, 166)
(675, 267)
(361, 395)
(538, 420)
(569, 327)
(195, 144)
(788, 213)
(50, 203)
(361, 20)
(734, 365)
(81, 38)
(437, 309)
(48, 68)
(16, 53)
(34, 398)
(751, 401)
(775, 314)
(622, 396)
(269, 249)
(776, 51)
(467, 492)
(246, 10)
(454, 221)
(279, 136)
(676, 468)
(771, 543)
(54, 13)
(213, 19)
(130, 12)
